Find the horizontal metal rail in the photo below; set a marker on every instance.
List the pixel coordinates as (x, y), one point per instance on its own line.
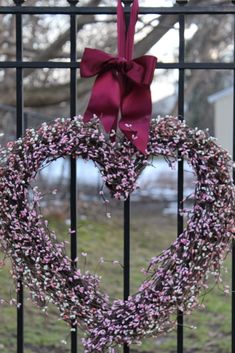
(71, 65)
(103, 10)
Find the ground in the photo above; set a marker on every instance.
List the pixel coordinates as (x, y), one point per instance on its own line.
(100, 236)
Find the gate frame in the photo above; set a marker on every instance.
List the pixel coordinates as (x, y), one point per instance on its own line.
(182, 9)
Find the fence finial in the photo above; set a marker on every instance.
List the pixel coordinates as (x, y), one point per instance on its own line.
(19, 2)
(73, 2)
(182, 2)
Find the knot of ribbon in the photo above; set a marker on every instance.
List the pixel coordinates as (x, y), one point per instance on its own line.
(122, 84)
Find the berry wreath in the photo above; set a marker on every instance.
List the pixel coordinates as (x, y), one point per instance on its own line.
(174, 278)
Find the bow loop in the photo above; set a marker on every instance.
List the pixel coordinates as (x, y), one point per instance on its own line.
(142, 70)
(93, 62)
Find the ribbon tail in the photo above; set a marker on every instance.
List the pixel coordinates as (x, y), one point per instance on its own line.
(105, 101)
(139, 133)
(136, 113)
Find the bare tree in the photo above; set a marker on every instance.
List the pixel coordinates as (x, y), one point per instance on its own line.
(47, 38)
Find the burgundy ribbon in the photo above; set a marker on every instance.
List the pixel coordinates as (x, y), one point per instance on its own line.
(122, 83)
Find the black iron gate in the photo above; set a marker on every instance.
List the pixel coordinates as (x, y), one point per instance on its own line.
(182, 9)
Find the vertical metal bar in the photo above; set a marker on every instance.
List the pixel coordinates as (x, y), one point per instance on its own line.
(233, 241)
(73, 166)
(19, 133)
(126, 277)
(19, 78)
(180, 181)
(126, 248)
(127, 204)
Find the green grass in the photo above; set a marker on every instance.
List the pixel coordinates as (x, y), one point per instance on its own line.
(100, 236)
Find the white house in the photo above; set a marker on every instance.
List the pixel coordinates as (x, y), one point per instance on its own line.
(223, 117)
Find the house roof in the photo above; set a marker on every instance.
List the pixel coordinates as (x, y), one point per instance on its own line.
(220, 94)
(165, 105)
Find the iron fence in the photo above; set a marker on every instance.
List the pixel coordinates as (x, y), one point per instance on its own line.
(182, 9)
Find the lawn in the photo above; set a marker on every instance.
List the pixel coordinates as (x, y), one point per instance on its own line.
(102, 237)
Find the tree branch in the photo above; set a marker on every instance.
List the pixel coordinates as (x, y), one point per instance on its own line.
(51, 51)
(55, 94)
(39, 97)
(164, 25)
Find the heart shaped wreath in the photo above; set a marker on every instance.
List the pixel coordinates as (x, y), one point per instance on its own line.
(174, 278)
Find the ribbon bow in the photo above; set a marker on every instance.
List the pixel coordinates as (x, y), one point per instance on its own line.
(122, 83)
